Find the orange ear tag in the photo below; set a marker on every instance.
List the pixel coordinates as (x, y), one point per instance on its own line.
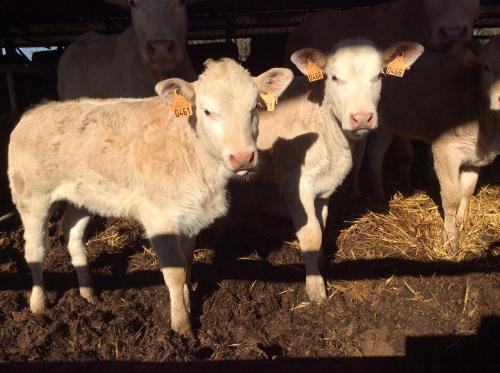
(269, 100)
(397, 66)
(181, 107)
(470, 59)
(313, 72)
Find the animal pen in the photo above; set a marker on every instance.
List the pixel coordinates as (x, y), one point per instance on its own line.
(396, 296)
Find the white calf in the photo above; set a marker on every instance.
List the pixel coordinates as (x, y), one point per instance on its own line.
(133, 157)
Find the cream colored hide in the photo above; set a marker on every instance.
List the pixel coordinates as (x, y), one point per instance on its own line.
(454, 108)
(134, 158)
(306, 145)
(131, 63)
(433, 23)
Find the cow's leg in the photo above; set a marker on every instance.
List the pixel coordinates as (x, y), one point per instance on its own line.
(357, 161)
(447, 170)
(75, 221)
(173, 266)
(468, 181)
(307, 221)
(188, 246)
(34, 215)
(377, 147)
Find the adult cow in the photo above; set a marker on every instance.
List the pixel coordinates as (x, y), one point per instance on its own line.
(131, 63)
(436, 24)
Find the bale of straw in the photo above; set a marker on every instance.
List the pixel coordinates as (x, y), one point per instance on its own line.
(413, 227)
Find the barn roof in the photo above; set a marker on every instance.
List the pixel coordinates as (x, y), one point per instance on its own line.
(58, 22)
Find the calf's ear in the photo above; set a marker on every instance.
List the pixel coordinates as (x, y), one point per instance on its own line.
(275, 80)
(302, 57)
(409, 50)
(166, 88)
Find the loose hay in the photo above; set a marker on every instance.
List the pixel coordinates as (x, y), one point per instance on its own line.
(413, 227)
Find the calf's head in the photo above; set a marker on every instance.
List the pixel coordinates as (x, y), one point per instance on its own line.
(450, 21)
(160, 28)
(225, 104)
(353, 79)
(490, 72)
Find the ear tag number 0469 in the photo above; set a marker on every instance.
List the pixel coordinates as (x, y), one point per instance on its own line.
(181, 107)
(397, 66)
(314, 73)
(269, 99)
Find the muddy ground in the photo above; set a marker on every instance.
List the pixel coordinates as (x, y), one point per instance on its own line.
(250, 303)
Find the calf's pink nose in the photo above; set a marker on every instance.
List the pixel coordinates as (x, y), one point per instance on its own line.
(241, 160)
(361, 120)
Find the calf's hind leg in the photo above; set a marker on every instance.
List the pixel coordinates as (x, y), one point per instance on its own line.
(468, 181)
(75, 221)
(34, 215)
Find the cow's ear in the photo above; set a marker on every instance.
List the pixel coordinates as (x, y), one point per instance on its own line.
(303, 57)
(275, 80)
(408, 50)
(118, 2)
(166, 89)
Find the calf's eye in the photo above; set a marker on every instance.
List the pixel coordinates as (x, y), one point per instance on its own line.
(133, 4)
(207, 113)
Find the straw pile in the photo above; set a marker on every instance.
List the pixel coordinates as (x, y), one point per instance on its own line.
(413, 228)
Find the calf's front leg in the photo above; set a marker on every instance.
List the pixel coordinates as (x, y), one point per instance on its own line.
(173, 265)
(447, 169)
(308, 216)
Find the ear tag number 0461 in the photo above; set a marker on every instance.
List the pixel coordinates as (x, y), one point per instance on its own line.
(181, 106)
(269, 99)
(397, 66)
(314, 73)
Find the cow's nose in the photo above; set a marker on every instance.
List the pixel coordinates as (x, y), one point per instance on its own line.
(159, 50)
(361, 120)
(454, 32)
(242, 160)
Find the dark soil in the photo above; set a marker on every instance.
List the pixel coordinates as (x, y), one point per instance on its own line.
(249, 301)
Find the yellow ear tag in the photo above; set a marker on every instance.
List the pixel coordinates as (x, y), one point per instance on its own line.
(181, 107)
(397, 66)
(313, 72)
(269, 100)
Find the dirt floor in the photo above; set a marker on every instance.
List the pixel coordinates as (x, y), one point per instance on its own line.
(386, 299)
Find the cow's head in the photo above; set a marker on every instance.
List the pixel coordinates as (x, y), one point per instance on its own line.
(450, 21)
(161, 30)
(353, 79)
(225, 102)
(490, 72)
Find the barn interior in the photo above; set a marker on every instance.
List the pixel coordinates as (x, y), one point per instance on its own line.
(34, 34)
